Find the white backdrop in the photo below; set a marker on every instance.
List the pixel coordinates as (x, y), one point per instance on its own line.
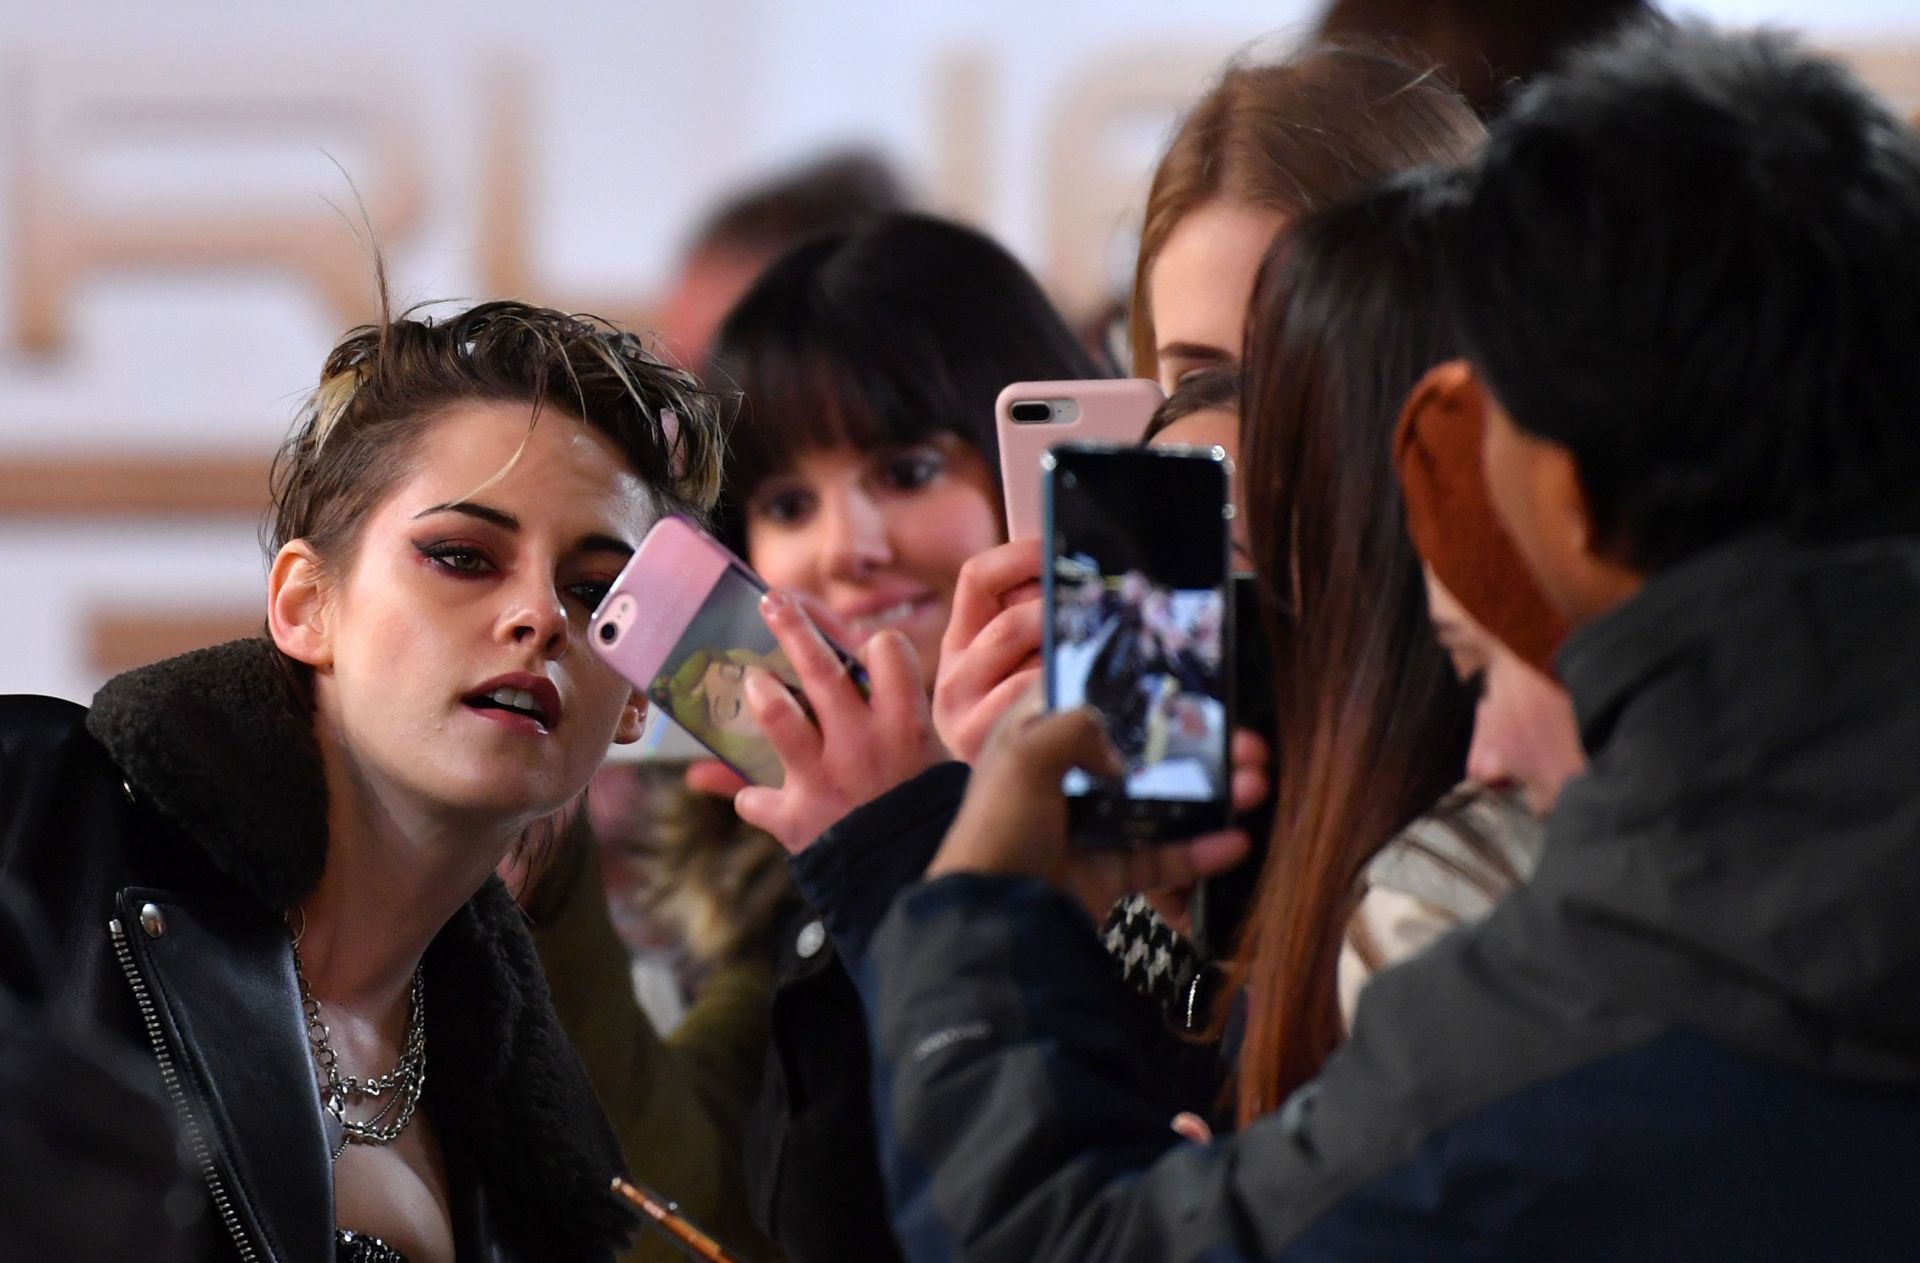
(172, 264)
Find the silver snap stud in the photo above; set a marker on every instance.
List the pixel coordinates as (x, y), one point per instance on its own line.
(813, 937)
(152, 921)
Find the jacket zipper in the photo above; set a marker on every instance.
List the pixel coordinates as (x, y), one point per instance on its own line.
(222, 1204)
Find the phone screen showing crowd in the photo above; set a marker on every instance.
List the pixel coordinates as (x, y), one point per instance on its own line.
(1138, 618)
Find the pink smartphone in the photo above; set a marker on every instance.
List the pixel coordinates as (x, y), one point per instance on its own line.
(1033, 416)
(682, 624)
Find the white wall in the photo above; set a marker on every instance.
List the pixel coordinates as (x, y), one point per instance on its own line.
(638, 112)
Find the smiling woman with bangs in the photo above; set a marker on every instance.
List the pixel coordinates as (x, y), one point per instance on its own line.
(861, 475)
(862, 471)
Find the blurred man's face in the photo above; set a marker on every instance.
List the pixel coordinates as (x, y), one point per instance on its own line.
(1535, 489)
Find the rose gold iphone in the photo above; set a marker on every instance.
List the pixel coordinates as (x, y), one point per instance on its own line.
(1033, 416)
(682, 624)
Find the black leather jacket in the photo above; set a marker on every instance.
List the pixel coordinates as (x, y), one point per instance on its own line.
(160, 835)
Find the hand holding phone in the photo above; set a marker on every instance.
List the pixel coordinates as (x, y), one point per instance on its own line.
(682, 624)
(990, 654)
(1014, 819)
(855, 745)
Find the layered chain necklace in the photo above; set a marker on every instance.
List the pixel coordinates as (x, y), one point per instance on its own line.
(401, 1086)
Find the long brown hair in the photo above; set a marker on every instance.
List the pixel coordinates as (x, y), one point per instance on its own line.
(1372, 727)
(1294, 136)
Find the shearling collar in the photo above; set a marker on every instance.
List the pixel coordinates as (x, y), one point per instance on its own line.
(220, 742)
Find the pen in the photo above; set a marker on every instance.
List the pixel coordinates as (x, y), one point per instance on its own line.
(668, 1216)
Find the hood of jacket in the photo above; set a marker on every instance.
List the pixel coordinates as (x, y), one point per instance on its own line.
(220, 743)
(1744, 854)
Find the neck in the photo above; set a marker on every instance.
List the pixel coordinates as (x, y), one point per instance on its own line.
(397, 870)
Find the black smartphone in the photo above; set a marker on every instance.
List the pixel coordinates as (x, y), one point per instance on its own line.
(1139, 618)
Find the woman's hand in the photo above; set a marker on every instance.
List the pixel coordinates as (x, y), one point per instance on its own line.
(1014, 817)
(854, 749)
(990, 654)
(712, 776)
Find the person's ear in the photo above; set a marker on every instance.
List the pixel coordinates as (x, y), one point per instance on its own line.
(1449, 396)
(633, 717)
(297, 605)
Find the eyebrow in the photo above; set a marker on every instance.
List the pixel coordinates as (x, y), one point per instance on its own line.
(1195, 351)
(593, 541)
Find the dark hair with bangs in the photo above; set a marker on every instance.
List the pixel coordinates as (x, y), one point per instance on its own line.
(886, 335)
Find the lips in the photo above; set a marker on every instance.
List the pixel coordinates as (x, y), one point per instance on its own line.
(520, 696)
(863, 619)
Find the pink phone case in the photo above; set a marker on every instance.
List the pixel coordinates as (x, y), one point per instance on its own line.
(682, 625)
(1112, 411)
(656, 597)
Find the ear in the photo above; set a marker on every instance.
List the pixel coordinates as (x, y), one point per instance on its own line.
(297, 605)
(632, 717)
(1448, 396)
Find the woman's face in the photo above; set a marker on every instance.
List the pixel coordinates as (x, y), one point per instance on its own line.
(1199, 286)
(453, 673)
(878, 537)
(1524, 735)
(723, 684)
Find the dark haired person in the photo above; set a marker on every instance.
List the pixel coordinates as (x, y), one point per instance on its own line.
(1488, 49)
(861, 473)
(753, 226)
(1688, 289)
(269, 864)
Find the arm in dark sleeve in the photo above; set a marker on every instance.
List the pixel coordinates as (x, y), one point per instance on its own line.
(852, 873)
(1017, 1104)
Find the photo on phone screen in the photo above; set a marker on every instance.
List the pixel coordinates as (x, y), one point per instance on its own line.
(702, 684)
(1137, 627)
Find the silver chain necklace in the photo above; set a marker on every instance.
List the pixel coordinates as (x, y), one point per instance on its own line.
(404, 1082)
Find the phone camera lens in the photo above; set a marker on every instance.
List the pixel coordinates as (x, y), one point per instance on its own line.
(608, 633)
(1028, 413)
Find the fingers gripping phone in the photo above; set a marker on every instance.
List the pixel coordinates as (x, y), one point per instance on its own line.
(1138, 625)
(1033, 416)
(682, 624)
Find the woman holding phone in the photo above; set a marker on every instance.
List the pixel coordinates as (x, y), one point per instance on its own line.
(860, 477)
(269, 863)
(1266, 143)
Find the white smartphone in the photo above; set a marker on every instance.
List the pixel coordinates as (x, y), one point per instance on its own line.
(682, 624)
(1032, 417)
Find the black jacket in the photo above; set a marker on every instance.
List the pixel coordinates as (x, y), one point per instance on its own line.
(90, 1164)
(161, 835)
(1695, 1034)
(812, 1175)
(813, 1172)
